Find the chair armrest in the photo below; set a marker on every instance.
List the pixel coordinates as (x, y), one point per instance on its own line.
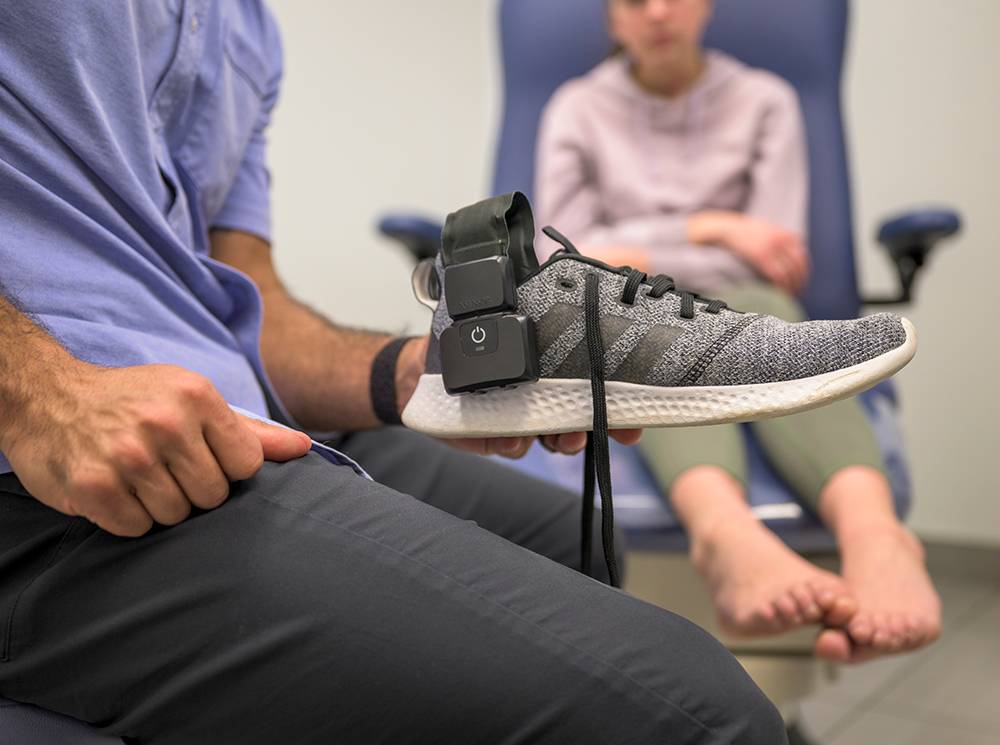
(422, 237)
(909, 238)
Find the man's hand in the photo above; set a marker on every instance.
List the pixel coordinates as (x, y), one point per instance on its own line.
(568, 443)
(777, 253)
(127, 447)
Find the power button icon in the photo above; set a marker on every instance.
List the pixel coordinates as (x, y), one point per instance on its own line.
(479, 337)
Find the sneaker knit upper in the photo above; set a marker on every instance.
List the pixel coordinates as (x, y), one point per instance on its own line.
(649, 342)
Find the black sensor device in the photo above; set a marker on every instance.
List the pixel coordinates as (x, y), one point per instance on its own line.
(480, 287)
(488, 352)
(489, 345)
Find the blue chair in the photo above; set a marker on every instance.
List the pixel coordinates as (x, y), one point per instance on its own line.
(546, 42)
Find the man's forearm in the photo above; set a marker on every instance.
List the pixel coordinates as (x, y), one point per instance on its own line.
(320, 371)
(29, 358)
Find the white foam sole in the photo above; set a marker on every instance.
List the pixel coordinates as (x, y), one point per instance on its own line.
(551, 406)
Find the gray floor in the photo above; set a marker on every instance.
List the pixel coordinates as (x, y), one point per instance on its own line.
(947, 693)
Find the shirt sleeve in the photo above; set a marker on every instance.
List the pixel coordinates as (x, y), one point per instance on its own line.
(248, 204)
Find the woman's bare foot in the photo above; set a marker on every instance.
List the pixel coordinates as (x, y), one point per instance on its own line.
(758, 585)
(883, 564)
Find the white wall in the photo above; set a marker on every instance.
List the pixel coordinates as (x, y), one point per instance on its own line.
(384, 105)
(394, 104)
(924, 106)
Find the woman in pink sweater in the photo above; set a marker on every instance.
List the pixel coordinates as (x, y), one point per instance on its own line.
(677, 160)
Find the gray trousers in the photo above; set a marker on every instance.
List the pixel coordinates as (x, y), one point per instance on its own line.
(315, 606)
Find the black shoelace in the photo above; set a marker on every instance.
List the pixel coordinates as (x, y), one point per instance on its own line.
(597, 456)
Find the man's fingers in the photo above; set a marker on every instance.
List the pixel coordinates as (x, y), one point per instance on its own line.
(125, 517)
(195, 474)
(240, 445)
(201, 477)
(278, 444)
(508, 447)
(571, 443)
(133, 462)
(101, 497)
(515, 447)
(567, 443)
(626, 436)
(161, 496)
(234, 445)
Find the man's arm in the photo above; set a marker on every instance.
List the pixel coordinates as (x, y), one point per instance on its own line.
(321, 371)
(123, 447)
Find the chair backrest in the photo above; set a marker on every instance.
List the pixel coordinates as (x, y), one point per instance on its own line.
(546, 42)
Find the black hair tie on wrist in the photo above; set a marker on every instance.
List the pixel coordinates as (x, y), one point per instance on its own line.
(383, 381)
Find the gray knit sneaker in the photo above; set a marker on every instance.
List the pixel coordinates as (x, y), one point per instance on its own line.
(510, 354)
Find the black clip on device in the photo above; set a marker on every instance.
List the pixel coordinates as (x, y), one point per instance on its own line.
(486, 249)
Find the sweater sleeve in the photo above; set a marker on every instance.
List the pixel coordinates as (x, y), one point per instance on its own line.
(566, 193)
(779, 174)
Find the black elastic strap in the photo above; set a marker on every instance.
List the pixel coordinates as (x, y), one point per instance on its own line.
(383, 381)
(499, 226)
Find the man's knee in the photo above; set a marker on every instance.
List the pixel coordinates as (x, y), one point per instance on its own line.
(736, 708)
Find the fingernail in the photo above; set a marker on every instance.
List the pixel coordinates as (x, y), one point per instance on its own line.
(510, 444)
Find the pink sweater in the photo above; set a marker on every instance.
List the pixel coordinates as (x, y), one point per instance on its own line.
(617, 164)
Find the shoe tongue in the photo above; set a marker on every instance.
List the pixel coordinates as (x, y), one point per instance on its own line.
(500, 226)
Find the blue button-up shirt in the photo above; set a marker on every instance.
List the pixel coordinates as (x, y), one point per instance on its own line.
(128, 129)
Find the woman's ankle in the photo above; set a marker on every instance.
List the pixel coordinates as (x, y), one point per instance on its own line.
(704, 495)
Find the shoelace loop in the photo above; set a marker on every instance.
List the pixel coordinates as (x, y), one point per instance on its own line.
(660, 285)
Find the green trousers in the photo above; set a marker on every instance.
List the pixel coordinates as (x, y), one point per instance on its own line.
(804, 449)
